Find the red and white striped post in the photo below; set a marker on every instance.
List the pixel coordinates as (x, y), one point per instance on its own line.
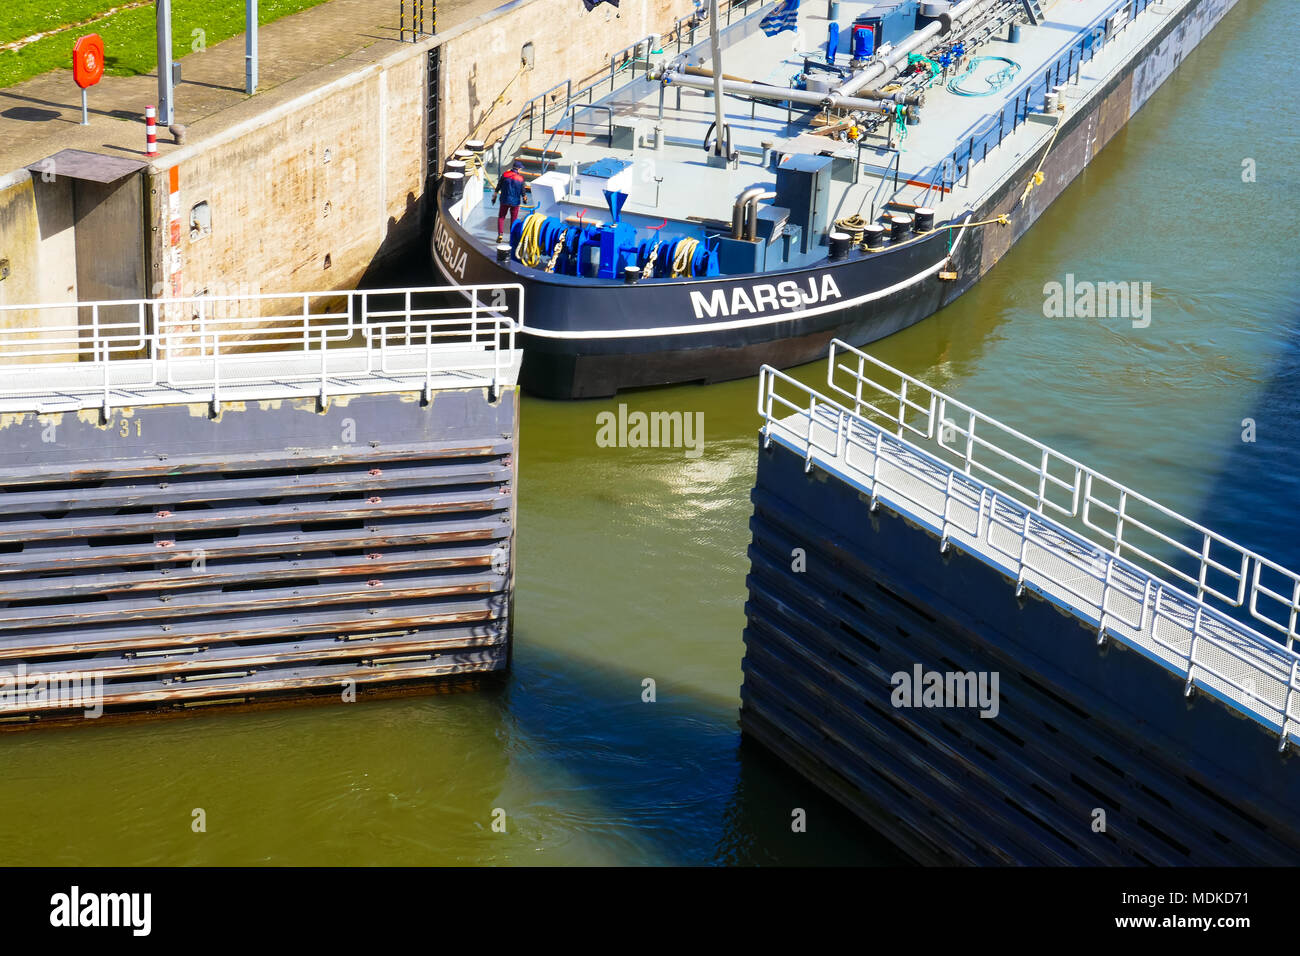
(151, 131)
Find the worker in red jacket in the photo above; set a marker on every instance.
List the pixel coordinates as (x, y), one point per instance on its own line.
(511, 188)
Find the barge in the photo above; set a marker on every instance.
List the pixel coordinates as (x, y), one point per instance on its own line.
(869, 166)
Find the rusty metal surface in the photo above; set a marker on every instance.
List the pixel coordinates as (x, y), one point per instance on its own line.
(38, 472)
(57, 556)
(183, 561)
(192, 516)
(210, 488)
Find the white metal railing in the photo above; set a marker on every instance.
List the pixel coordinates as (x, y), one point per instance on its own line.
(1019, 498)
(523, 127)
(213, 343)
(1112, 515)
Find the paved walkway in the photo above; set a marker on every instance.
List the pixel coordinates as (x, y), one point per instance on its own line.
(41, 116)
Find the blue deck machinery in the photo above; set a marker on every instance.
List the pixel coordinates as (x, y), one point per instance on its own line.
(617, 249)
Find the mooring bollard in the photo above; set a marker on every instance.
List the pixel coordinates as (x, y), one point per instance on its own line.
(151, 132)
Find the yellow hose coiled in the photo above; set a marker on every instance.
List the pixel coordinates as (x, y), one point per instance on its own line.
(683, 258)
(528, 251)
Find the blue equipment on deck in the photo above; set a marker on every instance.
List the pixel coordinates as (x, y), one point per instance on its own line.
(617, 247)
(888, 21)
(864, 41)
(615, 199)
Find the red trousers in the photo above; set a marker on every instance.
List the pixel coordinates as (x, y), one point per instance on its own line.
(501, 217)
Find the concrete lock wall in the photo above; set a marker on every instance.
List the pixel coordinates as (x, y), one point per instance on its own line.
(319, 190)
(62, 240)
(37, 242)
(303, 197)
(481, 58)
(331, 185)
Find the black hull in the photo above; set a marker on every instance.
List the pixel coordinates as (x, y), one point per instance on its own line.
(592, 366)
(570, 374)
(595, 338)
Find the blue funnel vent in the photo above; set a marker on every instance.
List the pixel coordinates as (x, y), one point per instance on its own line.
(615, 200)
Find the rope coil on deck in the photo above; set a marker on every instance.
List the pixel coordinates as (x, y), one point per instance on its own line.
(528, 251)
(684, 258)
(855, 226)
(994, 81)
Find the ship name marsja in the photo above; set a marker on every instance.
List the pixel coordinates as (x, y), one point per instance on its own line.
(759, 298)
(449, 250)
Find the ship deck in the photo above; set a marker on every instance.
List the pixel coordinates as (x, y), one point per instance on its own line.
(675, 183)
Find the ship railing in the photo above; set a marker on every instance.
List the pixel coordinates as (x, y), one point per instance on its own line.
(894, 164)
(943, 179)
(517, 134)
(970, 480)
(637, 54)
(320, 343)
(989, 133)
(1131, 525)
(686, 29)
(533, 114)
(571, 118)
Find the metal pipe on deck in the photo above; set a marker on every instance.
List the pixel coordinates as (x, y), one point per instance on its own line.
(751, 214)
(897, 57)
(740, 211)
(706, 72)
(898, 96)
(825, 100)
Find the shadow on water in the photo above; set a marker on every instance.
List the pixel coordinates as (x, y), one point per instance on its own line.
(666, 781)
(1257, 486)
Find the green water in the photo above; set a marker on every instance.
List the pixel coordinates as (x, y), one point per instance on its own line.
(632, 565)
